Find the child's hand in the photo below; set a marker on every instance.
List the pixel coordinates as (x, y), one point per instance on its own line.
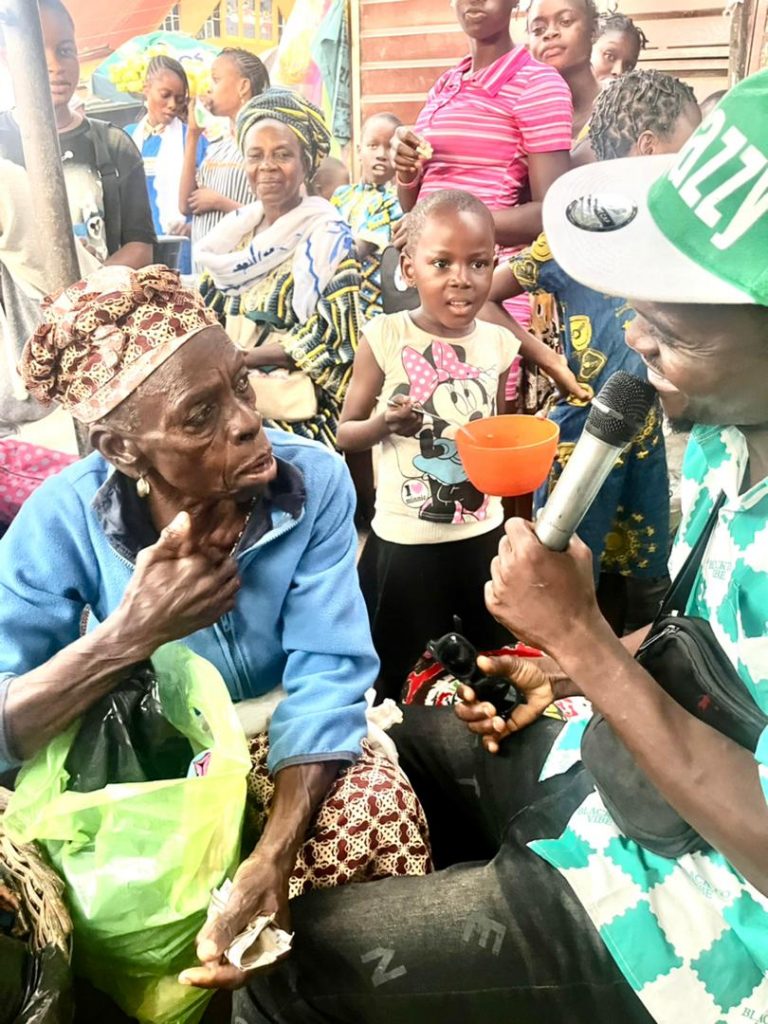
(401, 417)
(565, 380)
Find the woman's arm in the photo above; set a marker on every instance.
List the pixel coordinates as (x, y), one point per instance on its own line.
(519, 225)
(169, 596)
(504, 285)
(711, 781)
(188, 180)
(204, 200)
(132, 254)
(531, 349)
(260, 884)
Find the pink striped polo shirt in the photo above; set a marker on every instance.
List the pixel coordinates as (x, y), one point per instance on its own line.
(482, 126)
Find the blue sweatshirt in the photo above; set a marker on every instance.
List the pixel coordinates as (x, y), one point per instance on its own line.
(300, 619)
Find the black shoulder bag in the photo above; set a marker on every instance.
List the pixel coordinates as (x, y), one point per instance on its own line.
(684, 657)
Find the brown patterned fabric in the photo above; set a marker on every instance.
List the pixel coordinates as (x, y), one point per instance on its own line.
(370, 825)
(103, 336)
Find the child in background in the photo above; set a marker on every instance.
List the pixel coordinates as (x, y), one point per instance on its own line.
(330, 175)
(160, 137)
(561, 34)
(371, 207)
(418, 376)
(641, 113)
(617, 48)
(218, 184)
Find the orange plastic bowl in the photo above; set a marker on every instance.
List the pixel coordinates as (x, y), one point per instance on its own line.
(507, 455)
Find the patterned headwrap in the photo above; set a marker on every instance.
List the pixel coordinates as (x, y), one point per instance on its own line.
(103, 336)
(291, 109)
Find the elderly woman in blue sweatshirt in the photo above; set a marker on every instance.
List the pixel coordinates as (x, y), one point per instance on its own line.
(189, 522)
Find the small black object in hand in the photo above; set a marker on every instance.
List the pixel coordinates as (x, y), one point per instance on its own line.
(459, 656)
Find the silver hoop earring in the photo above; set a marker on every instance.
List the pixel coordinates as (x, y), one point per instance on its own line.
(142, 487)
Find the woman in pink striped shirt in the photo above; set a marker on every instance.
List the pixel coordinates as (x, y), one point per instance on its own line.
(497, 125)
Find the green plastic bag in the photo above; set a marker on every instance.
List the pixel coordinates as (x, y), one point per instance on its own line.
(140, 859)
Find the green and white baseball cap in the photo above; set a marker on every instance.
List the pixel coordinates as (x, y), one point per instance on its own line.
(692, 227)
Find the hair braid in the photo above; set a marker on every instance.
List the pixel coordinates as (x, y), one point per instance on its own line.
(638, 101)
(617, 22)
(250, 67)
(162, 62)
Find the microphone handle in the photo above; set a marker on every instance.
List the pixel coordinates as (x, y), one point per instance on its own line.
(585, 473)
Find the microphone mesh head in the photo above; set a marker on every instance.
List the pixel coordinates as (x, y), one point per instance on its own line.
(620, 408)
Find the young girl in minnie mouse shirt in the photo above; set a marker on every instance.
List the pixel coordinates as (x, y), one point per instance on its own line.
(418, 376)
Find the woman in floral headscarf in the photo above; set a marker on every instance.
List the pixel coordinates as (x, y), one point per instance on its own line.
(190, 522)
(281, 272)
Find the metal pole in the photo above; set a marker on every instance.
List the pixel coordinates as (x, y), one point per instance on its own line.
(25, 55)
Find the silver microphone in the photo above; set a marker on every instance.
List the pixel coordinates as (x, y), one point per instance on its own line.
(618, 412)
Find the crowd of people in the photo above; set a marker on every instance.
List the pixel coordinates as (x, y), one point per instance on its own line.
(555, 214)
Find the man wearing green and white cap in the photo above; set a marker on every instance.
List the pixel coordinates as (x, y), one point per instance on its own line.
(687, 244)
(570, 920)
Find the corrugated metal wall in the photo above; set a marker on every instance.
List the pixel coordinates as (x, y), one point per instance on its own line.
(406, 45)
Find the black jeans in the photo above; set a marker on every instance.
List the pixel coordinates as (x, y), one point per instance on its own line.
(499, 940)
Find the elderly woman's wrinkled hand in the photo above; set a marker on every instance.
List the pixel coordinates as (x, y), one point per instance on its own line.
(260, 886)
(529, 677)
(546, 598)
(214, 529)
(174, 592)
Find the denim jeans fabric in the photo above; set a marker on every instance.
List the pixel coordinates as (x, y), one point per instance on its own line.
(497, 940)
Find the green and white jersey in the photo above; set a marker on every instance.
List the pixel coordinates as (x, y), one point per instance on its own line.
(690, 935)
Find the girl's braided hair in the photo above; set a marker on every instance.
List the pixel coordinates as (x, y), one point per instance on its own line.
(617, 22)
(636, 102)
(249, 66)
(162, 62)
